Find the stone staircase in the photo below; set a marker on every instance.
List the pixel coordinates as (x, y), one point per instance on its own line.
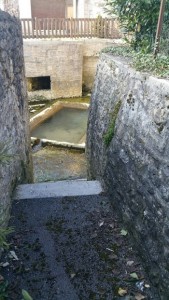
(68, 244)
(67, 188)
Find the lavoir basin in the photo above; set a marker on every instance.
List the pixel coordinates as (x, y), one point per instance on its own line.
(62, 124)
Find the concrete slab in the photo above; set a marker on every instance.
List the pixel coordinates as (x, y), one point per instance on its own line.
(57, 189)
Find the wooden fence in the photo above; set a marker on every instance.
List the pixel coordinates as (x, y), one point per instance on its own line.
(70, 28)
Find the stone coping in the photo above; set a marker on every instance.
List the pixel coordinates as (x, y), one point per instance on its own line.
(46, 142)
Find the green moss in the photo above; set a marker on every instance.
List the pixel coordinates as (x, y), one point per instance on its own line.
(160, 128)
(111, 129)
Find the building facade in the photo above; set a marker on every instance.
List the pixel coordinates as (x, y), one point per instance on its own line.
(58, 8)
(46, 9)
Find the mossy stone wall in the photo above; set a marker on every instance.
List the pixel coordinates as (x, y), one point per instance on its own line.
(134, 166)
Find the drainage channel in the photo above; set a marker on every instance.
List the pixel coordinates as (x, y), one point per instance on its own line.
(58, 134)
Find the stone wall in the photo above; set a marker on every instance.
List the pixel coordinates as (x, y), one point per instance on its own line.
(133, 161)
(14, 126)
(68, 63)
(62, 61)
(91, 53)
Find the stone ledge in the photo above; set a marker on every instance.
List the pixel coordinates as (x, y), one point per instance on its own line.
(57, 189)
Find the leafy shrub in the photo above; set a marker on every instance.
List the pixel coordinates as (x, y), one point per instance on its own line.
(138, 19)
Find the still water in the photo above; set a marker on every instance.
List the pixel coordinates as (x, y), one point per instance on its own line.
(67, 125)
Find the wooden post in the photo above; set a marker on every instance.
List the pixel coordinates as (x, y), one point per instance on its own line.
(36, 27)
(159, 27)
(24, 28)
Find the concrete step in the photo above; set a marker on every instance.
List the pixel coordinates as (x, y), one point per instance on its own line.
(57, 189)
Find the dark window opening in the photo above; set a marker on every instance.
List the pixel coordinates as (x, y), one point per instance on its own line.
(38, 83)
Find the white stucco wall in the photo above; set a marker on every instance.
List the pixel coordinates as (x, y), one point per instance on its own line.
(2, 4)
(88, 8)
(80, 8)
(94, 8)
(25, 9)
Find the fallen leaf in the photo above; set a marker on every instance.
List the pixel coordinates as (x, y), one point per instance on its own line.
(101, 223)
(140, 285)
(6, 264)
(14, 256)
(139, 297)
(122, 292)
(130, 263)
(134, 275)
(111, 250)
(26, 295)
(113, 256)
(123, 232)
(101, 291)
(94, 235)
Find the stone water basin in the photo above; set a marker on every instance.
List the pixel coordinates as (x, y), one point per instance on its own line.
(62, 124)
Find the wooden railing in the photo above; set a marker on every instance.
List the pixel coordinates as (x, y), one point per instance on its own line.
(73, 28)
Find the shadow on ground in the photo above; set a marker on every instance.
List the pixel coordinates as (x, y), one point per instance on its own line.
(72, 248)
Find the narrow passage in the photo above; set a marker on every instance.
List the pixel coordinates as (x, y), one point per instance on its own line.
(72, 248)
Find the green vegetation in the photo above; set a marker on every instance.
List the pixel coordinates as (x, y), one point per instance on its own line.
(3, 290)
(111, 129)
(100, 27)
(144, 62)
(125, 51)
(138, 19)
(4, 156)
(26, 295)
(4, 159)
(4, 232)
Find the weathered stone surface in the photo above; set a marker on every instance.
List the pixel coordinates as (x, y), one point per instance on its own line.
(134, 167)
(62, 61)
(13, 111)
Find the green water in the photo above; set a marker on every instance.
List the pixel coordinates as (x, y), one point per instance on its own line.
(67, 125)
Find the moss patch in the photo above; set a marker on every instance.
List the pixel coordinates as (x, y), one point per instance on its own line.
(111, 129)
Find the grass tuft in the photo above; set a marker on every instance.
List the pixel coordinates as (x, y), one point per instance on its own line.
(111, 129)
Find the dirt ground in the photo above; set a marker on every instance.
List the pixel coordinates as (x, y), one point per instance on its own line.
(72, 248)
(51, 164)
